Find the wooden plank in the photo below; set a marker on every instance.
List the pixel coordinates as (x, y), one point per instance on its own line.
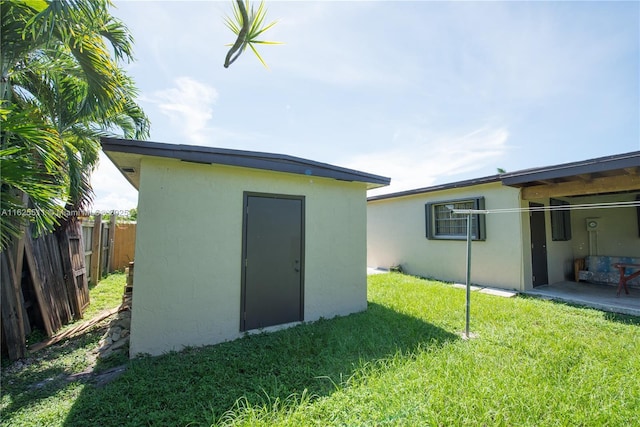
(79, 268)
(112, 240)
(19, 264)
(37, 284)
(87, 230)
(12, 324)
(47, 279)
(69, 280)
(80, 271)
(73, 244)
(104, 250)
(124, 246)
(130, 270)
(18, 256)
(61, 299)
(72, 331)
(95, 250)
(19, 253)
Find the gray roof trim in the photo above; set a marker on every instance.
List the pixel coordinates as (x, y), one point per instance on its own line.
(241, 158)
(525, 176)
(600, 164)
(418, 191)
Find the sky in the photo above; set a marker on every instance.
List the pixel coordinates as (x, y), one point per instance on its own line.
(423, 92)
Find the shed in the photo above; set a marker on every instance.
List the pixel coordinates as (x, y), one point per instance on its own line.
(232, 241)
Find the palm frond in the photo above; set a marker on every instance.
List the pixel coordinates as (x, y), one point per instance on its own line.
(119, 37)
(258, 55)
(79, 172)
(30, 157)
(62, 88)
(247, 30)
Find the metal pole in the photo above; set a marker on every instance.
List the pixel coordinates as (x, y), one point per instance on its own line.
(466, 330)
(469, 212)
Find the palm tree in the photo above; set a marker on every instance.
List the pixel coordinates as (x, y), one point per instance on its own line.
(62, 88)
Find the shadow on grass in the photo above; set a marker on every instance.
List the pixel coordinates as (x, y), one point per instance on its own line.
(627, 319)
(46, 373)
(197, 385)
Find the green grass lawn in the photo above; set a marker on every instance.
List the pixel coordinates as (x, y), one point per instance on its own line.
(402, 362)
(107, 294)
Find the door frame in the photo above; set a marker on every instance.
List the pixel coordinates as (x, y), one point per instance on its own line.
(243, 276)
(543, 233)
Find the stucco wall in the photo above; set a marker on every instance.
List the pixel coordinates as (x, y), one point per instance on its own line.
(617, 233)
(396, 235)
(189, 245)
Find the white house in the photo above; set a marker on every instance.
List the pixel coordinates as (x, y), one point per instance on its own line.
(232, 241)
(542, 224)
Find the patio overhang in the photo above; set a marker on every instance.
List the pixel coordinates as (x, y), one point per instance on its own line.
(604, 175)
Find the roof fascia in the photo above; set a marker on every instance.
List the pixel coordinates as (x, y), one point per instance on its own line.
(601, 164)
(248, 159)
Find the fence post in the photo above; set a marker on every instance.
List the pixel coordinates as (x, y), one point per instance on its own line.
(112, 240)
(96, 235)
(12, 321)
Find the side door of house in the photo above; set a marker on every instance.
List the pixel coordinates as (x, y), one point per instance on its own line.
(273, 260)
(538, 246)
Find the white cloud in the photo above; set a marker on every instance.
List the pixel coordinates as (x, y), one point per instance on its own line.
(112, 190)
(189, 107)
(420, 158)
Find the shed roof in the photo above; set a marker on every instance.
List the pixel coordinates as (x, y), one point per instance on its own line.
(127, 153)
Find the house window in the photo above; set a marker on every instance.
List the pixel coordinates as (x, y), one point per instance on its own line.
(442, 223)
(560, 220)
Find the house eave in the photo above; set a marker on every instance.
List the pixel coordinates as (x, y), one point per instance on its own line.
(618, 173)
(625, 162)
(441, 187)
(600, 176)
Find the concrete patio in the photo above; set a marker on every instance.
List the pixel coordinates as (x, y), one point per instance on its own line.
(601, 297)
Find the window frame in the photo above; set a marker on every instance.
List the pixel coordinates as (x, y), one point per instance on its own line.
(560, 221)
(478, 223)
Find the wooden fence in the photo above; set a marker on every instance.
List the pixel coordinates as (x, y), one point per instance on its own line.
(44, 283)
(109, 247)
